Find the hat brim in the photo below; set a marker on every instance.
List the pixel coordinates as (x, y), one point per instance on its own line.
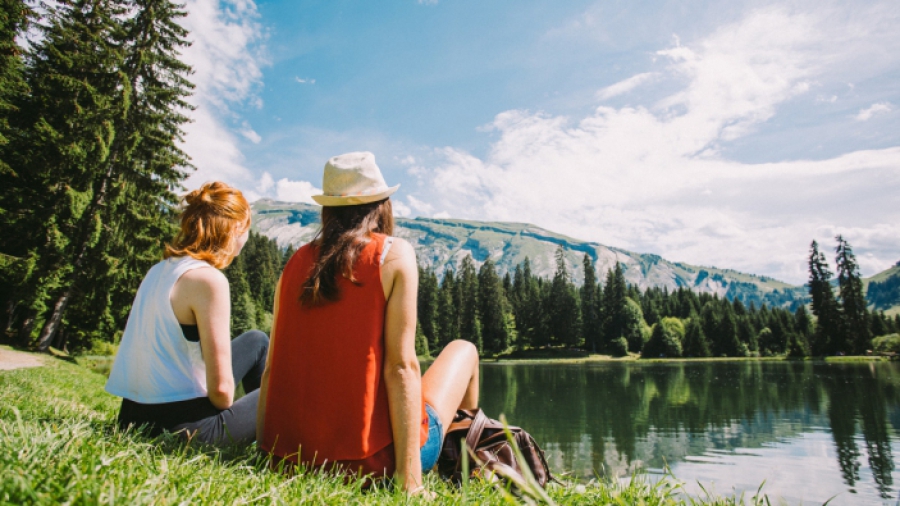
(353, 200)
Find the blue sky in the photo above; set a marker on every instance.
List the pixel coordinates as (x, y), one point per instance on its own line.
(715, 135)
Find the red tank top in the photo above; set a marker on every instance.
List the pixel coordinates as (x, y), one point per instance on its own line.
(326, 398)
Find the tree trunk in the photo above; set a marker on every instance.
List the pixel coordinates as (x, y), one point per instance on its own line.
(59, 306)
(26, 328)
(10, 315)
(48, 331)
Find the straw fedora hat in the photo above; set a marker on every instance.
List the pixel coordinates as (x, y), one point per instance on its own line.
(351, 179)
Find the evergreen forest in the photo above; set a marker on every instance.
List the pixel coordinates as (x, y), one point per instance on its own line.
(520, 311)
(92, 103)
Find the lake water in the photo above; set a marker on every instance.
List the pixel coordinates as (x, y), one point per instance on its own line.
(810, 431)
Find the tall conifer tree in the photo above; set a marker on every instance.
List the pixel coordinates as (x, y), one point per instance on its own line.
(428, 306)
(565, 315)
(855, 316)
(100, 134)
(448, 310)
(614, 301)
(590, 318)
(492, 310)
(469, 322)
(826, 339)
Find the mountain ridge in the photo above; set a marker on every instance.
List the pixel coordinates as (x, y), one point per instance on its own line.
(442, 243)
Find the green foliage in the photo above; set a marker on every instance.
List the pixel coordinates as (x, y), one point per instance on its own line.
(695, 342)
(563, 308)
(827, 338)
(635, 329)
(591, 326)
(421, 343)
(98, 133)
(469, 323)
(665, 339)
(528, 303)
(448, 310)
(618, 347)
(427, 306)
(855, 316)
(889, 343)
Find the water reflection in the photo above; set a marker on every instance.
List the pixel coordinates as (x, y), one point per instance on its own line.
(614, 418)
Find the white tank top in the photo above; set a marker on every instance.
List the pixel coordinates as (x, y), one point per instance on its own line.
(155, 362)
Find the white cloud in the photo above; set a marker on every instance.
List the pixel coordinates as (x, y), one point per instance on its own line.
(879, 108)
(226, 56)
(302, 80)
(295, 191)
(400, 209)
(651, 178)
(419, 207)
(427, 2)
(266, 183)
(250, 134)
(626, 85)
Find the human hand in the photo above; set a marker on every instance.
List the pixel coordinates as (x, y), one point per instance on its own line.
(422, 492)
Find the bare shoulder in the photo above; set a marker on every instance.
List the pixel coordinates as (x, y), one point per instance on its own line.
(204, 280)
(401, 253)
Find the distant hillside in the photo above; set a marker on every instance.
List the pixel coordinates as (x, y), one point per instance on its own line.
(883, 290)
(440, 243)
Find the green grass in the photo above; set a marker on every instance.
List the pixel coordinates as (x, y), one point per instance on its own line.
(59, 444)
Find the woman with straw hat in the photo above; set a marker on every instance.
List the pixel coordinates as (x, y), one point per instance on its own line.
(342, 385)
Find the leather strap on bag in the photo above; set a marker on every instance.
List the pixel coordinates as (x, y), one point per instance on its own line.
(490, 449)
(475, 430)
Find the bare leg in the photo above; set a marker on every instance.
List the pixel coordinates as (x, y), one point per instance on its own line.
(451, 382)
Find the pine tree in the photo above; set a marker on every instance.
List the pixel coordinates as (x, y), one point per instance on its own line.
(421, 342)
(729, 344)
(565, 315)
(590, 317)
(695, 342)
(746, 333)
(243, 309)
(855, 316)
(288, 253)
(99, 135)
(614, 301)
(428, 306)
(878, 325)
(15, 17)
(448, 310)
(492, 309)
(469, 322)
(826, 339)
(62, 133)
(665, 340)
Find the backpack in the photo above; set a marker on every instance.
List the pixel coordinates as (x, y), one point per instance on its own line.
(489, 449)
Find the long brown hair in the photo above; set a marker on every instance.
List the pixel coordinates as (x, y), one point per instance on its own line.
(346, 230)
(214, 216)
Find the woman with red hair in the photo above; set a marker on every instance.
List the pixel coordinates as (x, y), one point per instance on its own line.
(177, 366)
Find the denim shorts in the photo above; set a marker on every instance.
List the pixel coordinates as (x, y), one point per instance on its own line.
(432, 449)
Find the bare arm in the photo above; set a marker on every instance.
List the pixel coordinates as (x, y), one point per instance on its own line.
(264, 385)
(202, 296)
(402, 375)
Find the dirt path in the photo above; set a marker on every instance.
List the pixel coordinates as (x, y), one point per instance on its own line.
(11, 359)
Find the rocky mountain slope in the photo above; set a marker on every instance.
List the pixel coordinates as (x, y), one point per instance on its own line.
(442, 243)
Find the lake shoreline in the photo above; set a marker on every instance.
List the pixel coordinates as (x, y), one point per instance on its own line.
(638, 360)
